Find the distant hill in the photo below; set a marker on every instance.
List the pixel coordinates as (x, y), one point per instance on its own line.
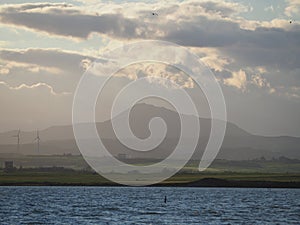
(238, 144)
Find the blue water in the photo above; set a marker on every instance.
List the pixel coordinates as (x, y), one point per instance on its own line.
(131, 205)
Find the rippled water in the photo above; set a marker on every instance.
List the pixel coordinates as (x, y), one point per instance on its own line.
(130, 205)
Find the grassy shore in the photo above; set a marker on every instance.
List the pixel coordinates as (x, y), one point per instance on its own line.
(73, 170)
(182, 179)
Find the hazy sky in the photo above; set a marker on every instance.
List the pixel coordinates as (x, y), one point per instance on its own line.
(251, 46)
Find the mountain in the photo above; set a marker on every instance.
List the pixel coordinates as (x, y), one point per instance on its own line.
(238, 144)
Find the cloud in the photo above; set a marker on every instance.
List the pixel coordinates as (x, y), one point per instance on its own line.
(198, 24)
(48, 17)
(85, 63)
(155, 73)
(46, 58)
(222, 8)
(212, 28)
(60, 69)
(293, 8)
(4, 70)
(127, 20)
(166, 76)
(213, 58)
(269, 8)
(238, 80)
(261, 69)
(259, 81)
(268, 47)
(34, 86)
(3, 43)
(9, 66)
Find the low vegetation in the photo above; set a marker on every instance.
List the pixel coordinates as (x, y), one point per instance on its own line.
(73, 170)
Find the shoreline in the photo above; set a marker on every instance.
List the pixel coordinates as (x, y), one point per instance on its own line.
(202, 183)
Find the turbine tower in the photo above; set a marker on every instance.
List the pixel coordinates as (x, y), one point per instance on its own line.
(18, 140)
(38, 141)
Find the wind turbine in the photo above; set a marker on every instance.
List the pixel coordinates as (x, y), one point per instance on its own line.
(38, 141)
(18, 140)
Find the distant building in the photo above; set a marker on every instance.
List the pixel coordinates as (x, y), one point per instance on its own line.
(8, 166)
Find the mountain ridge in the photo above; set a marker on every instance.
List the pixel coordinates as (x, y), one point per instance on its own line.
(237, 144)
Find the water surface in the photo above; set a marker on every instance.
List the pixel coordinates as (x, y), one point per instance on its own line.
(132, 205)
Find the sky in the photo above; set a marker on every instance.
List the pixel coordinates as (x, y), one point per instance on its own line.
(252, 47)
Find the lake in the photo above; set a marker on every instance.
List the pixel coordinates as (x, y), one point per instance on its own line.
(145, 205)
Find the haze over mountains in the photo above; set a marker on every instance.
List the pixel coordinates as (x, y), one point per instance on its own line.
(238, 144)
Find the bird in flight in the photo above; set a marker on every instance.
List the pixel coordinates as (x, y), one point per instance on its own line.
(154, 14)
